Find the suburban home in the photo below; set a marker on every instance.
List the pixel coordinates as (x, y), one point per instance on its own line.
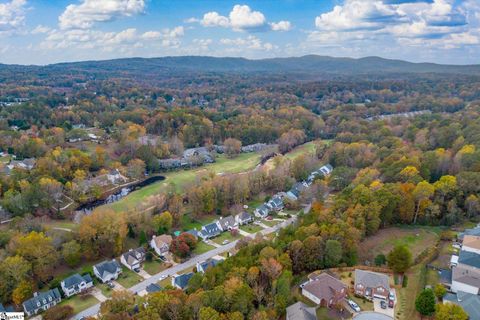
(193, 232)
(243, 218)
(326, 170)
(153, 287)
(76, 284)
(107, 270)
(134, 258)
(203, 266)
(181, 281)
(466, 274)
(6, 309)
(297, 189)
(115, 177)
(227, 223)
(471, 243)
(42, 301)
(276, 203)
(469, 302)
(473, 232)
(300, 311)
(262, 211)
(161, 244)
(371, 284)
(210, 230)
(325, 290)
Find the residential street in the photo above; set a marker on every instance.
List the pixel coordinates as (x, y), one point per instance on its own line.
(92, 311)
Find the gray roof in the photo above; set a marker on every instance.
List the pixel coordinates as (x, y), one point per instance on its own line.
(153, 287)
(445, 276)
(227, 222)
(277, 201)
(469, 258)
(182, 280)
(371, 279)
(193, 232)
(300, 311)
(470, 232)
(371, 315)
(6, 309)
(211, 229)
(263, 208)
(109, 266)
(209, 263)
(31, 304)
(244, 216)
(469, 302)
(134, 254)
(76, 279)
(464, 275)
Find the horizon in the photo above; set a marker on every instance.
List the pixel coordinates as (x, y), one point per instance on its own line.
(34, 32)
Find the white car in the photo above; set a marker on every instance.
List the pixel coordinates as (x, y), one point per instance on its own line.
(162, 277)
(225, 242)
(354, 305)
(391, 296)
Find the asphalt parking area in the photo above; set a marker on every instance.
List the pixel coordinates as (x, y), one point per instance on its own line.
(377, 308)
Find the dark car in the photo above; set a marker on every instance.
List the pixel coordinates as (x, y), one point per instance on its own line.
(390, 303)
(383, 304)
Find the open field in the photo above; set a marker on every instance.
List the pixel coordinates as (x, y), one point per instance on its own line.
(242, 163)
(416, 239)
(308, 147)
(80, 302)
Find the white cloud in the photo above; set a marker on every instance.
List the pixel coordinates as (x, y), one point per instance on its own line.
(250, 42)
(12, 15)
(281, 26)
(86, 14)
(40, 29)
(241, 18)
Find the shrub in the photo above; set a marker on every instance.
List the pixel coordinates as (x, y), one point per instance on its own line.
(58, 313)
(405, 281)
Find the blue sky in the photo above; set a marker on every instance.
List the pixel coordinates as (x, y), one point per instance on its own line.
(49, 31)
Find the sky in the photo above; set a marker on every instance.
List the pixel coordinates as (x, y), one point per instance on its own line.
(50, 31)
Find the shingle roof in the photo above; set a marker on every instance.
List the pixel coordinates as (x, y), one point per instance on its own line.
(471, 241)
(75, 280)
(109, 266)
(182, 280)
(469, 302)
(474, 232)
(324, 286)
(300, 311)
(134, 255)
(244, 216)
(469, 258)
(227, 222)
(464, 275)
(211, 229)
(371, 279)
(209, 263)
(153, 287)
(31, 304)
(163, 239)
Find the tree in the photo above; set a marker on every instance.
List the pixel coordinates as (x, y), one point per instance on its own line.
(207, 313)
(71, 253)
(135, 168)
(183, 244)
(22, 292)
(232, 147)
(333, 253)
(142, 239)
(450, 311)
(163, 222)
(380, 260)
(422, 194)
(399, 259)
(425, 302)
(58, 312)
(440, 291)
(13, 270)
(121, 304)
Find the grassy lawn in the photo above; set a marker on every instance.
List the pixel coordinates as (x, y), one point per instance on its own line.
(128, 278)
(155, 266)
(182, 178)
(270, 223)
(63, 224)
(406, 296)
(251, 228)
(80, 302)
(107, 291)
(416, 239)
(165, 282)
(202, 247)
(308, 147)
(225, 236)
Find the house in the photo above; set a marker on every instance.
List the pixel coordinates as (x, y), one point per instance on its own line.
(6, 309)
(194, 233)
(371, 284)
(300, 311)
(42, 301)
(325, 290)
(227, 223)
(276, 203)
(466, 274)
(209, 231)
(469, 302)
(134, 258)
(200, 154)
(181, 281)
(326, 170)
(243, 218)
(107, 270)
(471, 243)
(115, 177)
(161, 244)
(25, 164)
(295, 192)
(262, 211)
(76, 284)
(203, 266)
(153, 287)
(474, 232)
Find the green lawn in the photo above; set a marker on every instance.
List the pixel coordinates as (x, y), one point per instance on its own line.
(270, 223)
(80, 302)
(154, 266)
(251, 228)
(165, 282)
(202, 247)
(63, 224)
(128, 278)
(106, 290)
(308, 147)
(225, 236)
(181, 178)
(189, 223)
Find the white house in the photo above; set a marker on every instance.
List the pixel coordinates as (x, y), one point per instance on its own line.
(42, 301)
(161, 244)
(76, 284)
(243, 218)
(133, 259)
(107, 270)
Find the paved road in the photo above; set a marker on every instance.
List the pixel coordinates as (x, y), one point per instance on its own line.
(92, 311)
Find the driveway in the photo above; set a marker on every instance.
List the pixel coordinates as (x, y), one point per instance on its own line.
(118, 286)
(142, 273)
(377, 308)
(97, 293)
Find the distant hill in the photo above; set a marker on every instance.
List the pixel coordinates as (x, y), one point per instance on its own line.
(309, 65)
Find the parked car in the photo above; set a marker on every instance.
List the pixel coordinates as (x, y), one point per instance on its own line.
(391, 303)
(162, 277)
(111, 285)
(137, 270)
(391, 296)
(383, 304)
(269, 218)
(225, 242)
(354, 305)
